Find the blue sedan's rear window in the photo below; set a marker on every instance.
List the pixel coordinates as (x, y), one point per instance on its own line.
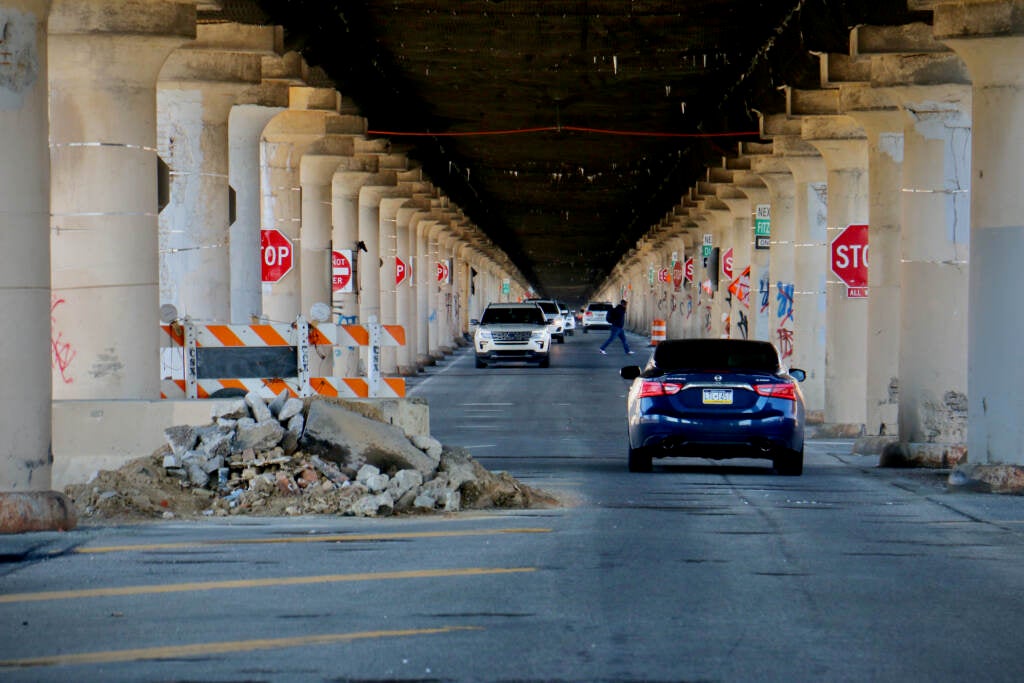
(716, 354)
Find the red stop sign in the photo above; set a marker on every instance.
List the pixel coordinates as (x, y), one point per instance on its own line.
(849, 257)
(689, 269)
(275, 255)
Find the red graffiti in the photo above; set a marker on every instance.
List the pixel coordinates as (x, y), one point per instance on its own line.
(63, 353)
(785, 342)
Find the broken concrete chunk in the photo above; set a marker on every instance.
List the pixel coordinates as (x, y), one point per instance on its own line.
(229, 410)
(403, 482)
(427, 444)
(277, 403)
(342, 436)
(260, 411)
(379, 505)
(181, 439)
(290, 409)
(260, 436)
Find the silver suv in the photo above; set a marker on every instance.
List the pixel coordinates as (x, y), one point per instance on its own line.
(595, 315)
(512, 332)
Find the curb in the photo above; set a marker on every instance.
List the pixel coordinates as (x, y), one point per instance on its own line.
(36, 511)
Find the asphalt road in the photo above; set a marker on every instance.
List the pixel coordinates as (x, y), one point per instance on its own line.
(699, 571)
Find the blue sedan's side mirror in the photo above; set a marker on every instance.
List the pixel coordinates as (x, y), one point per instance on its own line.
(798, 374)
(630, 372)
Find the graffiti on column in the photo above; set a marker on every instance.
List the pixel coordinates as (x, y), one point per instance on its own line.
(707, 320)
(764, 288)
(63, 353)
(743, 325)
(689, 306)
(785, 314)
(727, 325)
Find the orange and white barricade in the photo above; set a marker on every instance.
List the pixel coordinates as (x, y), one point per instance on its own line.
(657, 331)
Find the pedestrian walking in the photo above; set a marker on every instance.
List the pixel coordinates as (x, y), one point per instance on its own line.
(617, 319)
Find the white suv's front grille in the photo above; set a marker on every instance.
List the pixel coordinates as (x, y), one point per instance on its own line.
(511, 336)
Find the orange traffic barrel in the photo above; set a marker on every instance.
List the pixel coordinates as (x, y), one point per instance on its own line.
(657, 331)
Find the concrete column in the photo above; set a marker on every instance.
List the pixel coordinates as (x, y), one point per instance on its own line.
(934, 249)
(25, 458)
(198, 85)
(421, 272)
(389, 209)
(759, 301)
(254, 109)
(843, 145)
(312, 113)
(408, 216)
(810, 255)
(990, 40)
(317, 169)
(104, 58)
(884, 129)
(776, 175)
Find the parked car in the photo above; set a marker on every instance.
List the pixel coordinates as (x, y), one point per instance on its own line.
(512, 332)
(715, 398)
(595, 314)
(568, 318)
(556, 323)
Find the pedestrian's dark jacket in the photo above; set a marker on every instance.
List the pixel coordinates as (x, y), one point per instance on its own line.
(617, 316)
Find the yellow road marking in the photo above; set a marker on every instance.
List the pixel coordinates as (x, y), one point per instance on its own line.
(334, 538)
(175, 651)
(255, 583)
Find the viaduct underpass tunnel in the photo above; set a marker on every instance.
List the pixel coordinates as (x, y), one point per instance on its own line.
(158, 164)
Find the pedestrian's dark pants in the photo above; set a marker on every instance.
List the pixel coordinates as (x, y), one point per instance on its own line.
(616, 332)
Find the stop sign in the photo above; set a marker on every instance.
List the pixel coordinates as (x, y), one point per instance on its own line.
(275, 255)
(677, 274)
(849, 257)
(689, 269)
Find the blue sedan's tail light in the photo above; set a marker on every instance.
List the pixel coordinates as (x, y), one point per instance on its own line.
(785, 390)
(655, 388)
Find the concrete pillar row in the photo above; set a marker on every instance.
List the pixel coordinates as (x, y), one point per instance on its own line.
(198, 85)
(104, 59)
(25, 454)
(253, 110)
(990, 40)
(844, 147)
(410, 213)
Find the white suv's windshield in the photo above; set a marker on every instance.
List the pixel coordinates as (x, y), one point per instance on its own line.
(520, 315)
(549, 307)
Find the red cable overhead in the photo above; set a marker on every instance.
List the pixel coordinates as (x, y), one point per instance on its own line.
(559, 129)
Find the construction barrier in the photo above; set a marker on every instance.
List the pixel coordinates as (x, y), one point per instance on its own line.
(657, 331)
(219, 358)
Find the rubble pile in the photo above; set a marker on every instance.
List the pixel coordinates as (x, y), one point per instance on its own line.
(294, 457)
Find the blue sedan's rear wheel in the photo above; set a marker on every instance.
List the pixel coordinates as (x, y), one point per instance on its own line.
(639, 460)
(789, 463)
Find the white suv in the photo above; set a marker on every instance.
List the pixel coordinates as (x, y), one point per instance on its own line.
(556, 323)
(595, 315)
(512, 332)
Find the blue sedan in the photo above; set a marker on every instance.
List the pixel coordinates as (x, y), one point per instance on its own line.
(715, 398)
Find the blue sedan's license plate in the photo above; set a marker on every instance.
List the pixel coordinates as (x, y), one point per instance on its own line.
(720, 396)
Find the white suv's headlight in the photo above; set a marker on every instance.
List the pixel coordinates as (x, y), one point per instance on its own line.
(484, 334)
(538, 334)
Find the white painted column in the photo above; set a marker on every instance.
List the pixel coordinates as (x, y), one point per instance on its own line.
(254, 109)
(741, 238)
(844, 147)
(197, 87)
(991, 43)
(776, 175)
(934, 270)
(810, 255)
(389, 208)
(312, 113)
(421, 272)
(25, 460)
(104, 58)
(884, 128)
(408, 216)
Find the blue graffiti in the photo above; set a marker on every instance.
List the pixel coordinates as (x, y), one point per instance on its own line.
(785, 300)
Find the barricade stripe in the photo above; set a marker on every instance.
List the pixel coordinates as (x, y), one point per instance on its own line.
(397, 385)
(358, 386)
(270, 335)
(276, 385)
(359, 333)
(176, 333)
(397, 332)
(323, 386)
(232, 384)
(224, 335)
(318, 337)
